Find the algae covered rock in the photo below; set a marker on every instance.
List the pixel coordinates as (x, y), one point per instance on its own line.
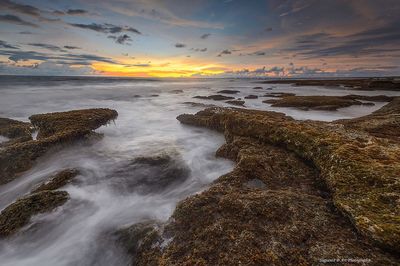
(142, 242)
(57, 181)
(361, 172)
(236, 102)
(215, 97)
(330, 103)
(54, 129)
(14, 129)
(229, 91)
(18, 214)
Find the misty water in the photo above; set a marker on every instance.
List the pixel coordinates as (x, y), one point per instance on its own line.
(104, 197)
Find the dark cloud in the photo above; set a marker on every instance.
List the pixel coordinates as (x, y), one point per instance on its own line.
(205, 36)
(259, 53)
(16, 20)
(20, 8)
(69, 47)
(76, 12)
(123, 39)
(224, 52)
(77, 59)
(25, 32)
(199, 49)
(138, 65)
(5, 45)
(106, 28)
(50, 47)
(268, 29)
(180, 45)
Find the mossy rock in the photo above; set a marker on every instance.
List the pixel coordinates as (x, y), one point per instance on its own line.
(18, 214)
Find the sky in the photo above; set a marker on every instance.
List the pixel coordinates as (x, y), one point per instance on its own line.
(199, 38)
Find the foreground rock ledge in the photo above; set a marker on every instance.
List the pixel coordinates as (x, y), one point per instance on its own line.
(19, 154)
(361, 171)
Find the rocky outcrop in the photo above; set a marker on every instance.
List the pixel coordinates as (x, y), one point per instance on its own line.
(19, 213)
(151, 174)
(278, 94)
(236, 102)
(357, 84)
(251, 96)
(330, 103)
(229, 91)
(215, 97)
(360, 171)
(57, 181)
(54, 129)
(302, 192)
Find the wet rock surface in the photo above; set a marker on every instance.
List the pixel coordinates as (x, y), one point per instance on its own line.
(215, 97)
(229, 91)
(330, 103)
(251, 96)
(301, 192)
(357, 84)
(236, 102)
(54, 129)
(57, 181)
(150, 174)
(19, 213)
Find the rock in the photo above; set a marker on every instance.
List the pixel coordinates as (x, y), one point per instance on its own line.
(257, 88)
(278, 94)
(229, 91)
(150, 174)
(57, 181)
(142, 242)
(356, 84)
(18, 214)
(251, 96)
(330, 103)
(377, 98)
(215, 97)
(176, 91)
(358, 175)
(54, 129)
(15, 129)
(194, 104)
(236, 102)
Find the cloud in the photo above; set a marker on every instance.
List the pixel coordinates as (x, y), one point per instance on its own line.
(76, 12)
(268, 29)
(259, 53)
(224, 52)
(180, 45)
(25, 32)
(5, 45)
(205, 36)
(45, 68)
(106, 28)
(199, 49)
(123, 39)
(16, 20)
(51, 47)
(77, 59)
(69, 47)
(20, 8)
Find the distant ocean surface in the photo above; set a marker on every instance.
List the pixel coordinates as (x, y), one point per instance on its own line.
(102, 200)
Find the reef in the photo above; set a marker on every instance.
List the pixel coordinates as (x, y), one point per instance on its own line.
(19, 213)
(330, 103)
(215, 97)
(236, 102)
(229, 91)
(54, 129)
(251, 96)
(302, 192)
(57, 181)
(356, 84)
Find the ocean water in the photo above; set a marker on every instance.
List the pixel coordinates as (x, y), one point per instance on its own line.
(106, 195)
